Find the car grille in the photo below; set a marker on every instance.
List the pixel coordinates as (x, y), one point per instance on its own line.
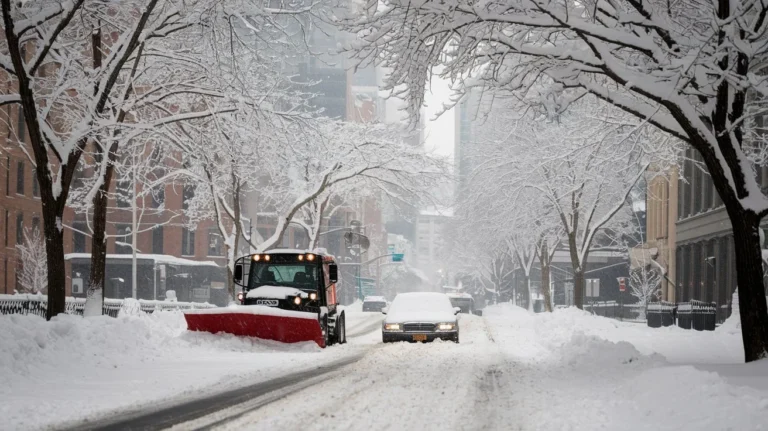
(419, 327)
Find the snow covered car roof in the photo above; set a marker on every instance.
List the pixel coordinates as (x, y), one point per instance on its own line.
(430, 307)
(459, 295)
(375, 299)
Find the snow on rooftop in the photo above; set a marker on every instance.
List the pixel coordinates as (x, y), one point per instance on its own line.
(157, 258)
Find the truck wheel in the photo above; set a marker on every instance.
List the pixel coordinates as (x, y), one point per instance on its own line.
(326, 331)
(341, 329)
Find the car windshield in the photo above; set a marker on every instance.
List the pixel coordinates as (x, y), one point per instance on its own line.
(300, 276)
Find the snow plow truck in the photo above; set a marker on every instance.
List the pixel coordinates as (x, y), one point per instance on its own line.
(287, 296)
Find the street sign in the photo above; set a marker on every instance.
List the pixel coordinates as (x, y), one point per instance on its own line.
(397, 257)
(622, 284)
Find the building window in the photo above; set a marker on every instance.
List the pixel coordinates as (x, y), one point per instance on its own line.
(35, 185)
(697, 261)
(7, 175)
(7, 222)
(158, 196)
(19, 228)
(78, 237)
(708, 189)
(187, 242)
(214, 242)
(123, 239)
(124, 195)
(36, 224)
(157, 239)
(20, 178)
(187, 195)
(21, 129)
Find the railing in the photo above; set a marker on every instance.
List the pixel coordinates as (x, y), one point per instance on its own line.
(613, 309)
(38, 304)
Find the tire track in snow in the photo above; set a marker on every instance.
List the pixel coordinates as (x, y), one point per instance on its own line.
(397, 386)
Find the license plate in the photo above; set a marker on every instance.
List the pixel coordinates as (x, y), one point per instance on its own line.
(420, 337)
(267, 302)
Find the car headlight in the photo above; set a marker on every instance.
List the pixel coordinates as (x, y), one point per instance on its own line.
(240, 296)
(297, 300)
(392, 327)
(312, 296)
(446, 326)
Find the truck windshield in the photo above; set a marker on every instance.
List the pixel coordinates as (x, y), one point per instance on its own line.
(300, 276)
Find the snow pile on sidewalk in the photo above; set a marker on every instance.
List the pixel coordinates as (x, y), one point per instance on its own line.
(71, 367)
(593, 372)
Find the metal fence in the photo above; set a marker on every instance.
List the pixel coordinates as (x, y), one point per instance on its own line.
(614, 310)
(38, 304)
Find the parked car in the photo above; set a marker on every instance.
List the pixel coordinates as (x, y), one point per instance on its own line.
(421, 316)
(374, 303)
(462, 300)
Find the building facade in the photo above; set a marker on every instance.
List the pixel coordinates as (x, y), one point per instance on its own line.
(659, 248)
(705, 256)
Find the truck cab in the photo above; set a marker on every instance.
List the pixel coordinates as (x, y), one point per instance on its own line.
(295, 280)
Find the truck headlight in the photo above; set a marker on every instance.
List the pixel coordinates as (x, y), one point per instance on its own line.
(240, 296)
(312, 296)
(392, 327)
(297, 300)
(446, 326)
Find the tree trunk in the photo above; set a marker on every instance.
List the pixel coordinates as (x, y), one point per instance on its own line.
(94, 303)
(749, 276)
(231, 260)
(232, 254)
(54, 247)
(578, 289)
(544, 262)
(545, 285)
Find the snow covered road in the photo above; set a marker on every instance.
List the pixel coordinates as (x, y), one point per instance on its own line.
(72, 370)
(513, 370)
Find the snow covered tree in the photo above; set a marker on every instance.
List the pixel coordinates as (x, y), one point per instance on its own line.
(62, 90)
(692, 69)
(644, 284)
(545, 181)
(299, 172)
(34, 265)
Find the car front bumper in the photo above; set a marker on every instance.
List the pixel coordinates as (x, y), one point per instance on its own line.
(389, 337)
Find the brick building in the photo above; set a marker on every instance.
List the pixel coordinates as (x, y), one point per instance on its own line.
(20, 206)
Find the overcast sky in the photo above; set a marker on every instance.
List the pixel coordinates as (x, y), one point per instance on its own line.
(439, 132)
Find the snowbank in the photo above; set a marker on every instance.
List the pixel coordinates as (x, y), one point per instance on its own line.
(73, 368)
(593, 372)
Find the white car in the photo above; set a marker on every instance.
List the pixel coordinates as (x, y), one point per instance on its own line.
(420, 316)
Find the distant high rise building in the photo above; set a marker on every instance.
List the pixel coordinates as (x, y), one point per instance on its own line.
(466, 119)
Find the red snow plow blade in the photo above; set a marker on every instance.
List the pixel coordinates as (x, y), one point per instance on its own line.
(284, 327)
